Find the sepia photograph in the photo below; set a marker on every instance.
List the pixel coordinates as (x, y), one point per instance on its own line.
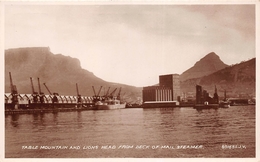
(129, 80)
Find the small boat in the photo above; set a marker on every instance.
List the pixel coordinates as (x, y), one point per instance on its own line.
(224, 104)
(110, 104)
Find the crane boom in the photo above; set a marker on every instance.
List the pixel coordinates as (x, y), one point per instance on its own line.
(118, 95)
(40, 91)
(77, 88)
(112, 93)
(47, 88)
(78, 95)
(13, 87)
(14, 92)
(11, 82)
(94, 90)
(99, 90)
(32, 85)
(107, 91)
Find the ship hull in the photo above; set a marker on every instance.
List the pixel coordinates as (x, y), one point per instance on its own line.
(209, 106)
(224, 105)
(110, 107)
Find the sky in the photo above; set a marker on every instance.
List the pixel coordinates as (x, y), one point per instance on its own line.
(134, 44)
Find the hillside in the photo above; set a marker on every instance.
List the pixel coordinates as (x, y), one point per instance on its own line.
(59, 72)
(205, 66)
(238, 80)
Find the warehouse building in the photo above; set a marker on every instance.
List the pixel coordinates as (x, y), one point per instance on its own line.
(168, 89)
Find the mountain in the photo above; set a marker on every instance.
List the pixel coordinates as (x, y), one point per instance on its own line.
(238, 80)
(205, 66)
(59, 72)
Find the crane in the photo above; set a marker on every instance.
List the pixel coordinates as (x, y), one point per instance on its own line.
(54, 99)
(118, 95)
(40, 92)
(47, 88)
(99, 91)
(107, 92)
(112, 93)
(14, 91)
(78, 95)
(39, 86)
(34, 94)
(95, 95)
(13, 87)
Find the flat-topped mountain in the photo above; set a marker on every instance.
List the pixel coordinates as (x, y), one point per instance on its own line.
(205, 66)
(59, 72)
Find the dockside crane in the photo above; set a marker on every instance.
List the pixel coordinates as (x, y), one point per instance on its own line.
(99, 91)
(112, 93)
(47, 88)
(78, 95)
(95, 99)
(34, 94)
(106, 95)
(99, 97)
(96, 96)
(54, 98)
(14, 92)
(118, 95)
(41, 94)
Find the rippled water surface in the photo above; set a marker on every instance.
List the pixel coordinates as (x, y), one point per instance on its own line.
(138, 133)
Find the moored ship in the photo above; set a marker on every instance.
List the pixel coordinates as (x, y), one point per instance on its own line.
(224, 103)
(204, 100)
(108, 102)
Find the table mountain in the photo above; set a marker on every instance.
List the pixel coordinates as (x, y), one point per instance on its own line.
(59, 72)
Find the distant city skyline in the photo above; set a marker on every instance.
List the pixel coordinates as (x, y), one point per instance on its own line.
(134, 44)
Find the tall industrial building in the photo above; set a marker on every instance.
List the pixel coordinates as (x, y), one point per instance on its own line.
(168, 89)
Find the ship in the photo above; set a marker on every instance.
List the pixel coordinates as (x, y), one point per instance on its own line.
(224, 103)
(110, 104)
(108, 101)
(204, 100)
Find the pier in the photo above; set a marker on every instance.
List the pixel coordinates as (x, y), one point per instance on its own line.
(38, 111)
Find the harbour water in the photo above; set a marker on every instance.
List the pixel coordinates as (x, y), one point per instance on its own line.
(133, 133)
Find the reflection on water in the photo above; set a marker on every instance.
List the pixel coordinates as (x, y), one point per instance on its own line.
(168, 128)
(14, 121)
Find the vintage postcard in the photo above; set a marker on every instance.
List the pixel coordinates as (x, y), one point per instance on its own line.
(129, 80)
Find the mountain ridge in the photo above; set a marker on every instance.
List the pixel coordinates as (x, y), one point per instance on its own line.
(238, 80)
(59, 72)
(206, 65)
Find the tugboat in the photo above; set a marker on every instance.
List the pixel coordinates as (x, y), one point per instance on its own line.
(225, 103)
(108, 102)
